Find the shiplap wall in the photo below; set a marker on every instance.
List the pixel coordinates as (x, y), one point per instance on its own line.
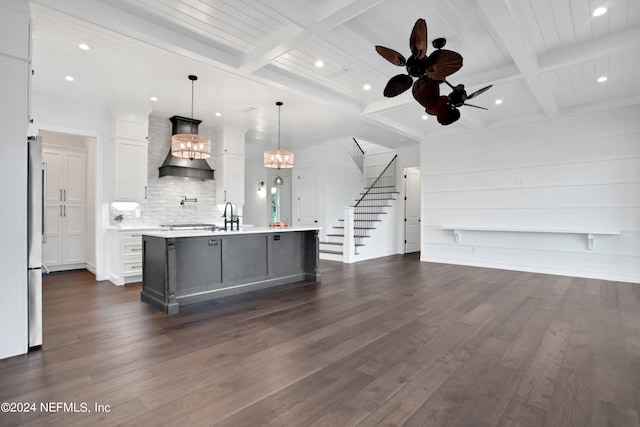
(575, 173)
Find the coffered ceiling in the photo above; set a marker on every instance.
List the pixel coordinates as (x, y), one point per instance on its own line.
(543, 57)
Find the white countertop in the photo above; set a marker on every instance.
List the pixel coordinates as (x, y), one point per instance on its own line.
(133, 227)
(202, 233)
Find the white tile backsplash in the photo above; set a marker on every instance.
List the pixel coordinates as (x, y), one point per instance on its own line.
(164, 194)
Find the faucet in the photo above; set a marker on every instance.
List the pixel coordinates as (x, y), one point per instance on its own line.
(230, 221)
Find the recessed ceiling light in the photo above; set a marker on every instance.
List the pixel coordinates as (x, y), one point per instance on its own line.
(498, 101)
(84, 46)
(218, 114)
(319, 64)
(602, 79)
(69, 78)
(153, 98)
(425, 117)
(599, 11)
(366, 87)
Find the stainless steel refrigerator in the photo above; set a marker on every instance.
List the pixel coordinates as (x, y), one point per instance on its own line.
(36, 235)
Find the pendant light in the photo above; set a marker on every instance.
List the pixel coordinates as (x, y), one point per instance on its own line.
(191, 145)
(278, 159)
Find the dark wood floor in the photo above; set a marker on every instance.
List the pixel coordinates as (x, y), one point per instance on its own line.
(387, 342)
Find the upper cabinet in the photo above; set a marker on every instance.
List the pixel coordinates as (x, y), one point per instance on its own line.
(131, 156)
(229, 159)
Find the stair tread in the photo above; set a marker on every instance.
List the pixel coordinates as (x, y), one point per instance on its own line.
(342, 235)
(357, 228)
(380, 192)
(331, 252)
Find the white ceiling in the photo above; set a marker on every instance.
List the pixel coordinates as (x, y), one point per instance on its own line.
(542, 56)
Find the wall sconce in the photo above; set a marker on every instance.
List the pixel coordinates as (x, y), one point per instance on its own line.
(260, 185)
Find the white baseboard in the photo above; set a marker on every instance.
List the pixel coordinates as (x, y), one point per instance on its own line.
(534, 269)
(118, 281)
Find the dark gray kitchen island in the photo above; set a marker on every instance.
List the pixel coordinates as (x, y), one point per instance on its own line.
(187, 266)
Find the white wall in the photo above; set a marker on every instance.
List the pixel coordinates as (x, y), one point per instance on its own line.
(14, 63)
(340, 180)
(575, 173)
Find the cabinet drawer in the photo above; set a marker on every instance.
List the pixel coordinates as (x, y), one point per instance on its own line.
(130, 268)
(131, 249)
(132, 236)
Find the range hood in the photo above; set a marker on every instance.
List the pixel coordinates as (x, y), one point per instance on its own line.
(175, 166)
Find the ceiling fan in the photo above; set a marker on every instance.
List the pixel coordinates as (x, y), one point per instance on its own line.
(431, 71)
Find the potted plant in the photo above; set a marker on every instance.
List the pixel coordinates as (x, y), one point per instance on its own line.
(118, 219)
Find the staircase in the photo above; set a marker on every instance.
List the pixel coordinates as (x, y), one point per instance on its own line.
(369, 210)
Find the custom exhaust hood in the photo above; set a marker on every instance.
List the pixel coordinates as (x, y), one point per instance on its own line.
(175, 166)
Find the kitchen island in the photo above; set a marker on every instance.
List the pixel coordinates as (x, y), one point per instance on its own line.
(186, 266)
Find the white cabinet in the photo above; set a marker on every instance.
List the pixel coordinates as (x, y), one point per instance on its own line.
(65, 205)
(229, 157)
(131, 157)
(230, 179)
(131, 170)
(126, 251)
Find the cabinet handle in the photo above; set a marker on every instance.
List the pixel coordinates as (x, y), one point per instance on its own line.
(136, 249)
(44, 203)
(64, 209)
(60, 210)
(225, 195)
(60, 195)
(64, 194)
(145, 192)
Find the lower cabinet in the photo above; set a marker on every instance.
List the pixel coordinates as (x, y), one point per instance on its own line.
(126, 256)
(198, 264)
(185, 270)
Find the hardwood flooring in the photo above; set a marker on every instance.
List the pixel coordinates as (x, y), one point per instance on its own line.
(392, 342)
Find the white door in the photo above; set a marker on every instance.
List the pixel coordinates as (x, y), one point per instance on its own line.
(412, 210)
(309, 196)
(52, 249)
(65, 194)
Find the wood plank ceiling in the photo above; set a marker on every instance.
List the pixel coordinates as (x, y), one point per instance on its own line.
(543, 56)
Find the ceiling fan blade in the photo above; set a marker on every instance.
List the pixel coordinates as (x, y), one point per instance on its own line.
(443, 63)
(475, 106)
(397, 84)
(438, 104)
(448, 115)
(418, 39)
(425, 91)
(478, 92)
(392, 56)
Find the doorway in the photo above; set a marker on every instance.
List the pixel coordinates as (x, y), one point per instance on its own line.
(279, 196)
(411, 210)
(70, 201)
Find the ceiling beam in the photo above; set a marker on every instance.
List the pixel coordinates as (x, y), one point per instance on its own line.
(506, 27)
(305, 28)
(617, 43)
(127, 24)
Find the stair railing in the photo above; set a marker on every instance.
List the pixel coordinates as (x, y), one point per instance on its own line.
(386, 179)
(356, 152)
